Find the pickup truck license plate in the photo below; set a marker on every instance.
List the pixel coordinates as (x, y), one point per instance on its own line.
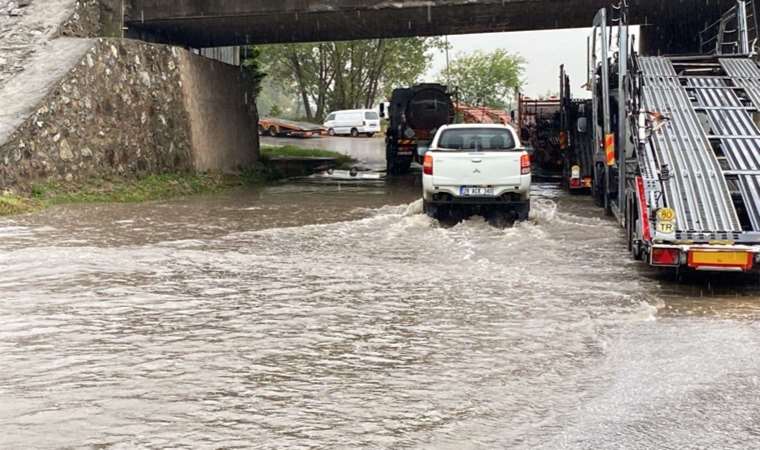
(475, 191)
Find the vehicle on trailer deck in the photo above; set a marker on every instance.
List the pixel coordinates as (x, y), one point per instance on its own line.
(680, 141)
(287, 128)
(414, 115)
(476, 169)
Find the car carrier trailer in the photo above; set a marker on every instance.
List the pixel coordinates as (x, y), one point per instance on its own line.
(678, 146)
(575, 139)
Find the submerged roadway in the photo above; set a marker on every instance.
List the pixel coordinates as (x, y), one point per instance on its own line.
(338, 316)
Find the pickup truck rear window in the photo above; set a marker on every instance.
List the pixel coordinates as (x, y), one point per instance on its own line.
(479, 139)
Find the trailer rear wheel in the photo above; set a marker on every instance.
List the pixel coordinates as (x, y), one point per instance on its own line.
(598, 186)
(273, 131)
(631, 227)
(629, 224)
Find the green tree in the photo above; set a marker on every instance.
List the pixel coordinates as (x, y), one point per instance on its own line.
(485, 79)
(341, 75)
(253, 73)
(275, 111)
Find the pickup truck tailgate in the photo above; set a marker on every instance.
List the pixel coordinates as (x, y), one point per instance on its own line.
(476, 168)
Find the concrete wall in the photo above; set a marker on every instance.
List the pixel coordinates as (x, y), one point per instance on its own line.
(227, 55)
(223, 125)
(132, 108)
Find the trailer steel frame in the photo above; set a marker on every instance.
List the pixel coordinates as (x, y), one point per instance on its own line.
(685, 177)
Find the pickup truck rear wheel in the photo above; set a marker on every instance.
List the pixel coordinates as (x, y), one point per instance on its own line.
(523, 212)
(429, 209)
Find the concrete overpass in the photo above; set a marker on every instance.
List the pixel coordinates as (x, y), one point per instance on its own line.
(212, 23)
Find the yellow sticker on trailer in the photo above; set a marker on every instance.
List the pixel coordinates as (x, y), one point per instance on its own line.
(720, 259)
(666, 221)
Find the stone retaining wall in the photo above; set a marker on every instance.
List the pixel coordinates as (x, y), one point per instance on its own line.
(130, 108)
(94, 18)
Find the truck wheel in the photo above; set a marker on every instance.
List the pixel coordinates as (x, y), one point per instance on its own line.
(397, 168)
(354, 132)
(331, 132)
(369, 135)
(403, 168)
(598, 187)
(261, 130)
(631, 225)
(607, 198)
(273, 131)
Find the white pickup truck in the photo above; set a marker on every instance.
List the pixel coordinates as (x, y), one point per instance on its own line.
(476, 169)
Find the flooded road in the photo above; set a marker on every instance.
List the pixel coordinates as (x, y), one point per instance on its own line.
(370, 151)
(328, 316)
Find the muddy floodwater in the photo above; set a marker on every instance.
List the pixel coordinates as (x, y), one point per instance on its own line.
(324, 316)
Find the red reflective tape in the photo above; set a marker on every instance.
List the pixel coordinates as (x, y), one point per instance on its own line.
(643, 207)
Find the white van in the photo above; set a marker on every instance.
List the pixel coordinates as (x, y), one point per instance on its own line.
(353, 122)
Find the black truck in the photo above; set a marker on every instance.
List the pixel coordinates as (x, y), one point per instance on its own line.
(415, 114)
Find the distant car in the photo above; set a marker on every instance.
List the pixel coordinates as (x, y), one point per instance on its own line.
(353, 122)
(476, 169)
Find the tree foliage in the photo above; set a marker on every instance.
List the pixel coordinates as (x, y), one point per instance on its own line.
(253, 73)
(485, 79)
(328, 76)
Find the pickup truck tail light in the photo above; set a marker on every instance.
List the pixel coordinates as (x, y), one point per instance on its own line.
(525, 164)
(427, 165)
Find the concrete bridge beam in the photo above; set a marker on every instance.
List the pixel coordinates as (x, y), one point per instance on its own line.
(211, 23)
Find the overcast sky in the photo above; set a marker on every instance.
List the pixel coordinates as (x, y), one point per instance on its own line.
(544, 51)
